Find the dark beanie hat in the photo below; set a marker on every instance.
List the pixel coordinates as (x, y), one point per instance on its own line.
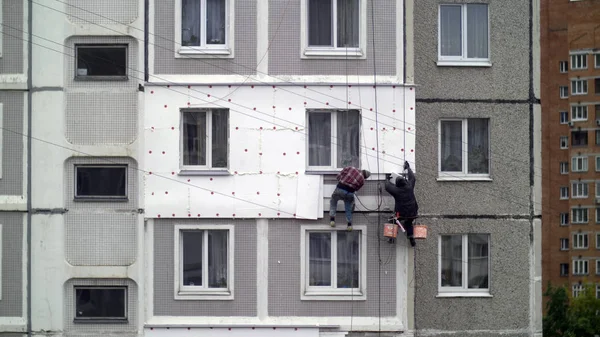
(366, 174)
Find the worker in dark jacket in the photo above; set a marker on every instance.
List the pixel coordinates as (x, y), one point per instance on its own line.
(350, 180)
(406, 207)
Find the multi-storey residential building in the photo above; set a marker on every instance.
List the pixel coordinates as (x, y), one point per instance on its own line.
(570, 38)
(478, 154)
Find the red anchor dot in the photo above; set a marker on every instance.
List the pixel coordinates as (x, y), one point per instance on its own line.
(152, 91)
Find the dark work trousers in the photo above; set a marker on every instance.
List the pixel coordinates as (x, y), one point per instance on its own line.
(407, 223)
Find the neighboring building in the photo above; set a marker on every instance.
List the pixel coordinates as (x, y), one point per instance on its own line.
(570, 42)
(478, 146)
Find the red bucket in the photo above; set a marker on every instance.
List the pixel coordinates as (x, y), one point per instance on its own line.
(420, 232)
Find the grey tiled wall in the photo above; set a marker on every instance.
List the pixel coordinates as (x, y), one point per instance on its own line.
(11, 304)
(11, 61)
(13, 139)
(284, 274)
(102, 12)
(244, 302)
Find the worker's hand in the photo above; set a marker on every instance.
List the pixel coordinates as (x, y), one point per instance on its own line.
(388, 176)
(406, 165)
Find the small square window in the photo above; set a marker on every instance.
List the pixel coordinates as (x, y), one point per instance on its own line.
(580, 241)
(100, 304)
(564, 193)
(564, 269)
(580, 190)
(333, 263)
(564, 167)
(579, 87)
(579, 138)
(564, 219)
(204, 139)
(457, 40)
(580, 267)
(204, 262)
(564, 117)
(580, 215)
(579, 113)
(579, 164)
(563, 66)
(333, 139)
(464, 147)
(101, 182)
(564, 244)
(564, 91)
(100, 62)
(564, 142)
(464, 264)
(578, 61)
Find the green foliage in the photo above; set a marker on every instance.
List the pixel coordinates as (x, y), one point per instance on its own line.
(572, 317)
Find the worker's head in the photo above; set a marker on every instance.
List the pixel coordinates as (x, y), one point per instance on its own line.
(400, 182)
(366, 174)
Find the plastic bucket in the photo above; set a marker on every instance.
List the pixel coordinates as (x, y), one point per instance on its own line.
(420, 232)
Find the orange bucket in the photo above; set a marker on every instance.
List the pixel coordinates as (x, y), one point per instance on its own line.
(420, 232)
(390, 230)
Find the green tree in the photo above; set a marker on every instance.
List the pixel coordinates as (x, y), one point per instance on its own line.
(555, 323)
(572, 317)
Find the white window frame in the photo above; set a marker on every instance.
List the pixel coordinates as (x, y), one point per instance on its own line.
(584, 265)
(462, 60)
(596, 60)
(563, 91)
(561, 269)
(563, 66)
(597, 214)
(564, 192)
(209, 142)
(564, 114)
(464, 175)
(321, 52)
(1, 229)
(564, 167)
(564, 244)
(101, 320)
(581, 241)
(597, 163)
(208, 51)
(577, 288)
(1, 104)
(308, 293)
(464, 291)
(182, 292)
(579, 87)
(584, 215)
(564, 219)
(579, 113)
(564, 142)
(580, 190)
(578, 61)
(579, 164)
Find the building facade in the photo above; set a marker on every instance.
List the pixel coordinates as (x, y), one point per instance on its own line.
(571, 126)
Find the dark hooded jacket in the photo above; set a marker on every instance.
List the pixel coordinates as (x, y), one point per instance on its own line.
(404, 195)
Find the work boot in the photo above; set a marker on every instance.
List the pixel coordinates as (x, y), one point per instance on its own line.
(332, 221)
(412, 241)
(349, 228)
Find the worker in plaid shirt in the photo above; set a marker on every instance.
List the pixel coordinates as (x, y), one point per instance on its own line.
(350, 180)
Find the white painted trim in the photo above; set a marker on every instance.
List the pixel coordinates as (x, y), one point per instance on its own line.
(23, 200)
(332, 294)
(265, 79)
(262, 268)
(442, 63)
(307, 52)
(13, 324)
(262, 37)
(465, 294)
(221, 51)
(462, 60)
(151, 41)
(400, 27)
(149, 270)
(204, 294)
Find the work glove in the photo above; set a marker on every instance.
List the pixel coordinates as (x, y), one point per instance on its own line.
(406, 165)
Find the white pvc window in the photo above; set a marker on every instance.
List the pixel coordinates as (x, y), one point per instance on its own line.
(579, 190)
(564, 167)
(333, 139)
(564, 142)
(579, 164)
(464, 147)
(204, 27)
(564, 219)
(463, 34)
(563, 66)
(564, 91)
(464, 265)
(580, 241)
(577, 288)
(564, 117)
(580, 267)
(580, 215)
(564, 244)
(579, 87)
(579, 113)
(564, 193)
(578, 61)
(204, 139)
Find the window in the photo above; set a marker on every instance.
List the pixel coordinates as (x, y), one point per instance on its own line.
(463, 34)
(564, 269)
(464, 264)
(564, 91)
(100, 304)
(577, 288)
(204, 27)
(333, 139)
(597, 214)
(580, 241)
(580, 267)
(564, 167)
(597, 112)
(579, 164)
(598, 291)
(597, 63)
(579, 113)
(564, 244)
(204, 262)
(580, 190)
(564, 117)
(564, 193)
(597, 137)
(580, 215)
(563, 66)
(597, 189)
(597, 240)
(100, 181)
(579, 138)
(597, 273)
(597, 86)
(333, 265)
(597, 163)
(464, 147)
(579, 87)
(204, 139)
(578, 61)
(564, 219)
(564, 142)
(100, 62)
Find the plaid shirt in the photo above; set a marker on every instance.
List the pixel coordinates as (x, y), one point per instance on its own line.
(350, 179)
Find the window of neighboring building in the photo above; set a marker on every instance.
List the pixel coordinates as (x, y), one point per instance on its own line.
(204, 262)
(564, 91)
(564, 117)
(580, 241)
(597, 163)
(564, 219)
(564, 192)
(563, 66)
(597, 240)
(464, 265)
(580, 190)
(333, 265)
(204, 139)
(597, 58)
(580, 267)
(597, 112)
(597, 86)
(463, 34)
(333, 139)
(564, 269)
(100, 62)
(597, 289)
(95, 304)
(204, 26)
(100, 181)
(597, 273)
(564, 244)
(579, 164)
(564, 142)
(597, 137)
(579, 138)
(564, 167)
(579, 87)
(579, 113)
(577, 288)
(464, 147)
(578, 61)
(580, 215)
(597, 214)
